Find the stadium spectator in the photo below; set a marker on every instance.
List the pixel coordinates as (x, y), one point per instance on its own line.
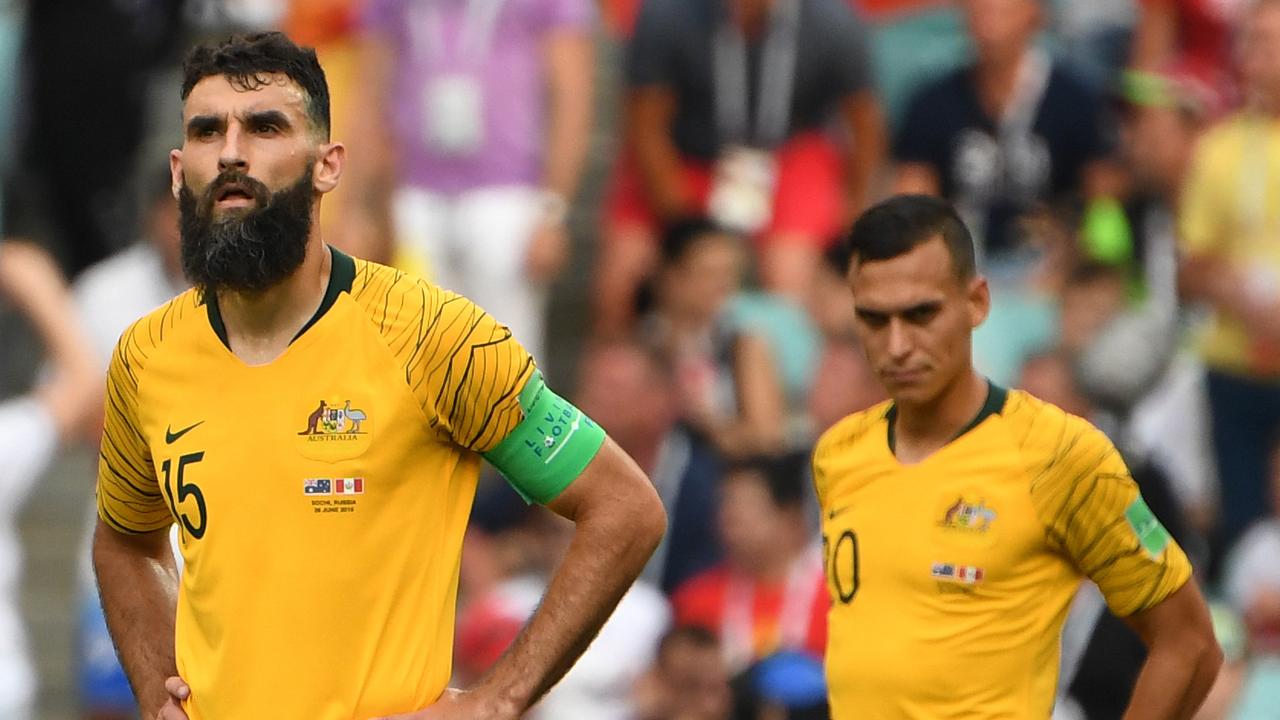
(489, 105)
(1229, 216)
(727, 112)
(32, 427)
(631, 394)
(1011, 131)
(688, 681)
(109, 296)
(728, 383)
(769, 594)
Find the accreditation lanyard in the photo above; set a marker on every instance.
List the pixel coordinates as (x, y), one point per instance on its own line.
(777, 79)
(737, 625)
(431, 43)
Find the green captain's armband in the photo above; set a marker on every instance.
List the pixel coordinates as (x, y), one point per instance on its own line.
(550, 448)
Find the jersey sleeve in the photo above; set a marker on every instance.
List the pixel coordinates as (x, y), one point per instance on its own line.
(1094, 514)
(129, 495)
(470, 373)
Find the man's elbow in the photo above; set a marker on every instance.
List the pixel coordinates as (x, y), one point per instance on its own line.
(1209, 655)
(649, 522)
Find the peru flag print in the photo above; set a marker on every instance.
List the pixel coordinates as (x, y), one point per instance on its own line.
(348, 486)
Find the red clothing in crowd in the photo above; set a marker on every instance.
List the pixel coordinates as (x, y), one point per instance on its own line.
(707, 601)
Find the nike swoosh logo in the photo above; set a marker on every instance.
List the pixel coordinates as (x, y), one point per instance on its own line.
(171, 437)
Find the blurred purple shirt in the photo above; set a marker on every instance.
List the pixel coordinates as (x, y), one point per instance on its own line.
(512, 79)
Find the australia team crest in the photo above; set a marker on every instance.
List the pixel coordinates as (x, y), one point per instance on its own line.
(329, 421)
(334, 428)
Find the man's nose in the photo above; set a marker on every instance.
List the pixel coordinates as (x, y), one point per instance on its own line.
(232, 156)
(899, 339)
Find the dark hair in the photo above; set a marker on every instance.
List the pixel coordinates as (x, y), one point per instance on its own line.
(678, 237)
(784, 476)
(248, 60)
(837, 257)
(898, 225)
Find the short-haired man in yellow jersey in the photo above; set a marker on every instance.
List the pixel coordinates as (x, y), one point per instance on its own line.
(314, 424)
(958, 518)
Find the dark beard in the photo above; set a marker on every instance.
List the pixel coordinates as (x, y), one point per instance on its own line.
(247, 251)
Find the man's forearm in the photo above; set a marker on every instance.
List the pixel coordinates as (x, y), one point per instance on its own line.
(1172, 684)
(658, 161)
(612, 542)
(138, 583)
(572, 62)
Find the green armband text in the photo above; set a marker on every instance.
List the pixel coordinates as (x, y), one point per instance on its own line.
(550, 448)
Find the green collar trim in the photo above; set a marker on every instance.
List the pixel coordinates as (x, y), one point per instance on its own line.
(342, 274)
(996, 398)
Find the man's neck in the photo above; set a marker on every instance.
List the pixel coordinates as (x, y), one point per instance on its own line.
(996, 77)
(261, 325)
(923, 429)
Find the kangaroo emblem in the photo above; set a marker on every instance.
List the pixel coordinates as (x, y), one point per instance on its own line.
(313, 420)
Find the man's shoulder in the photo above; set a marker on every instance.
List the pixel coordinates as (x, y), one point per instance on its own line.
(1055, 445)
(850, 431)
(391, 297)
(1044, 428)
(161, 330)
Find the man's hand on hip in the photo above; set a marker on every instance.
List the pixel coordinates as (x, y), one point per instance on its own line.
(178, 691)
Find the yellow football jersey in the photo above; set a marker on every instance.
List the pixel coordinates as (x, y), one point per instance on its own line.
(321, 498)
(950, 579)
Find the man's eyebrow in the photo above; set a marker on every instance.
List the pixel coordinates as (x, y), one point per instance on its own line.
(201, 123)
(267, 117)
(925, 306)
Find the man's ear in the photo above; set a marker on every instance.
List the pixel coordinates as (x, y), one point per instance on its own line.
(328, 167)
(979, 301)
(175, 171)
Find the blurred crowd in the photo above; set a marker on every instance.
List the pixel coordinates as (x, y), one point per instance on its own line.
(1117, 160)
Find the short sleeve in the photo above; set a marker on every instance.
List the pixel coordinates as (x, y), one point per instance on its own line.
(129, 495)
(1202, 208)
(651, 56)
(1094, 515)
(470, 373)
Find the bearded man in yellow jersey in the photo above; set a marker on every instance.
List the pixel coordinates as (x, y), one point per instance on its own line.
(959, 518)
(314, 424)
